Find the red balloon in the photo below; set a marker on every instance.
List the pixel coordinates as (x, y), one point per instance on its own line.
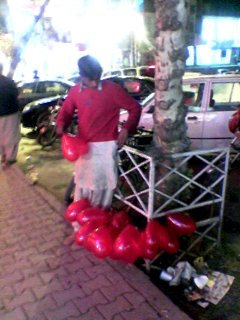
(182, 224)
(74, 208)
(73, 146)
(173, 245)
(101, 241)
(120, 220)
(127, 246)
(90, 214)
(148, 252)
(84, 231)
(234, 122)
(155, 236)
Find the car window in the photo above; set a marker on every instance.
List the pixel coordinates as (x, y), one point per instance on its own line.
(192, 96)
(147, 72)
(130, 72)
(52, 87)
(225, 96)
(27, 88)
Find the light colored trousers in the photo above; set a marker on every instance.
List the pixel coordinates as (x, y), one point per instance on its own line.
(9, 136)
(96, 175)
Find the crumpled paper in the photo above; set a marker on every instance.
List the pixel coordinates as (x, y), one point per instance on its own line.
(218, 285)
(183, 272)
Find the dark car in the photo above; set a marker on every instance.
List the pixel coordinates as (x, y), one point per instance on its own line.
(137, 87)
(38, 89)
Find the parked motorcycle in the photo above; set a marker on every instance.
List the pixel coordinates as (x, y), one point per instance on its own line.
(46, 125)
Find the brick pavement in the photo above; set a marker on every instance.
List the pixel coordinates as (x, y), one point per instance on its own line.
(42, 278)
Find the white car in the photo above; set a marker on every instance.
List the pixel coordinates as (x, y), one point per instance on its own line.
(211, 100)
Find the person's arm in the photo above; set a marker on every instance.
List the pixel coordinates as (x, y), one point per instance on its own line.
(125, 101)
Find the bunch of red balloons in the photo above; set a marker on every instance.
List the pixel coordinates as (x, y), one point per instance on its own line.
(73, 147)
(109, 233)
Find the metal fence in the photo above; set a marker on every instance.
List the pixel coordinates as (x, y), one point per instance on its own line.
(200, 189)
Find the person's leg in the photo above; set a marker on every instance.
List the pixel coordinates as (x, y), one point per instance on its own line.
(11, 137)
(11, 152)
(102, 198)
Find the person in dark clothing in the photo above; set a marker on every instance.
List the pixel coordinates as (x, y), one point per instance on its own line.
(9, 120)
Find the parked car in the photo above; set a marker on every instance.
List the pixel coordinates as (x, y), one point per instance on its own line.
(141, 71)
(38, 89)
(211, 100)
(137, 87)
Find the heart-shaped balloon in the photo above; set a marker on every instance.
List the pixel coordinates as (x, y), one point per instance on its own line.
(155, 236)
(181, 223)
(234, 122)
(127, 246)
(96, 214)
(173, 245)
(101, 240)
(73, 146)
(84, 231)
(148, 252)
(74, 208)
(120, 219)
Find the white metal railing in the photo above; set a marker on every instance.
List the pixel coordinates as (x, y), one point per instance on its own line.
(143, 180)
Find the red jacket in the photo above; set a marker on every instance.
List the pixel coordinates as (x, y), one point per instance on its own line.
(98, 111)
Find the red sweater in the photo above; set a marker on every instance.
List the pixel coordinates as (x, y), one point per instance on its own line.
(98, 111)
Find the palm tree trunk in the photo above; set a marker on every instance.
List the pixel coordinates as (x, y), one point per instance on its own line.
(170, 130)
(171, 54)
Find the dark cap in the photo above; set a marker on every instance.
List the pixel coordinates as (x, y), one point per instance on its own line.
(90, 68)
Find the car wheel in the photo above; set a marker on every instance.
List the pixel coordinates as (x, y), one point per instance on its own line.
(47, 135)
(43, 118)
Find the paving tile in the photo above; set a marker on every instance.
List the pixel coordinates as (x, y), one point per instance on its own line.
(30, 282)
(63, 313)
(16, 314)
(36, 309)
(66, 295)
(112, 292)
(97, 283)
(19, 300)
(86, 303)
(113, 308)
(92, 314)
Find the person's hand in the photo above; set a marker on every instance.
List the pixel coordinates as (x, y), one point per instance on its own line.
(59, 131)
(122, 137)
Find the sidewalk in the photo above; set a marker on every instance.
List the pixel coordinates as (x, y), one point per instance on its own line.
(42, 278)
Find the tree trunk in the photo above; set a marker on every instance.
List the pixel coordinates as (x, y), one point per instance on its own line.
(19, 47)
(170, 129)
(171, 54)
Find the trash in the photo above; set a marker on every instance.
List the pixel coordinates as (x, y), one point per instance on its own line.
(31, 173)
(217, 286)
(183, 273)
(164, 275)
(202, 303)
(200, 281)
(201, 288)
